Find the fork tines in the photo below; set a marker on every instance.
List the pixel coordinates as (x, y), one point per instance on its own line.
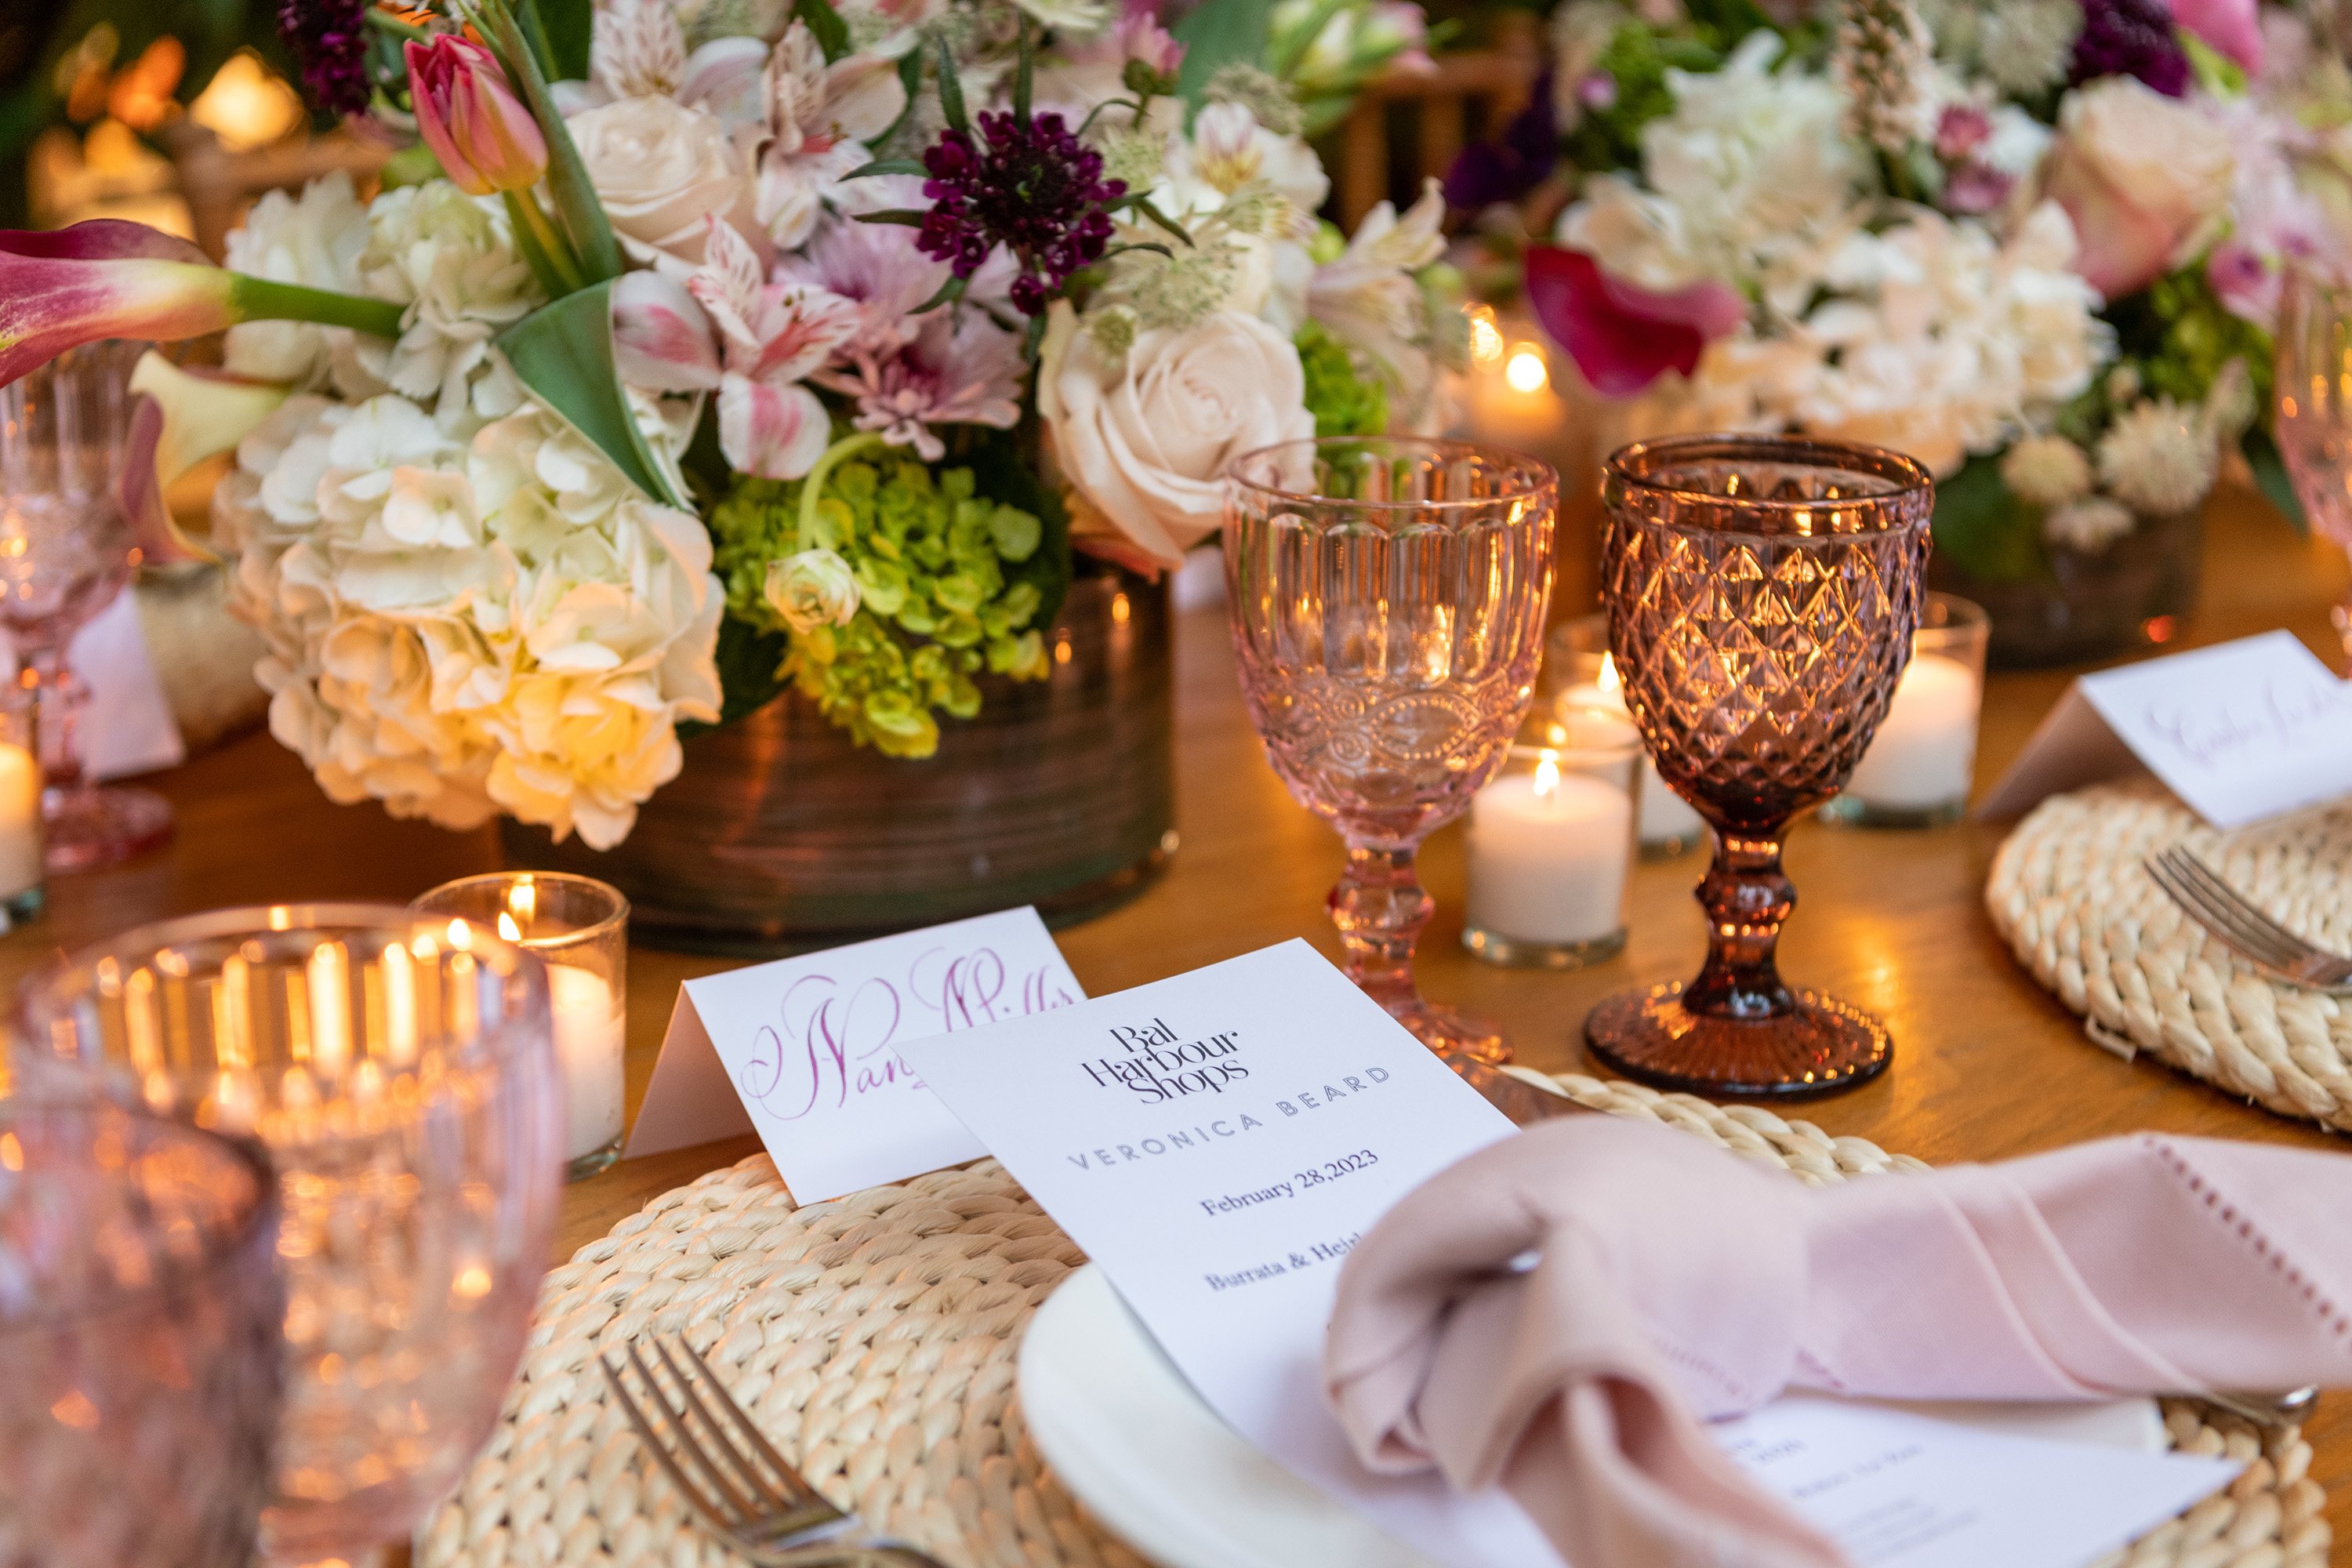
(2228, 914)
(727, 1472)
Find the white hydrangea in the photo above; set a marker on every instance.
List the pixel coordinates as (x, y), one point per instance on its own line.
(1750, 181)
(2088, 525)
(449, 258)
(2158, 457)
(2046, 471)
(314, 239)
(462, 626)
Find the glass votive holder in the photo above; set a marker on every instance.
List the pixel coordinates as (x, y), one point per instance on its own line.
(1551, 845)
(1916, 772)
(1579, 672)
(21, 893)
(579, 927)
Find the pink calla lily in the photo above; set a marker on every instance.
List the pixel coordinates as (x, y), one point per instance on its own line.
(109, 278)
(183, 415)
(1621, 335)
(2233, 28)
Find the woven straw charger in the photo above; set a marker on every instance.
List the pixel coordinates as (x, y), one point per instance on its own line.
(874, 1339)
(2070, 893)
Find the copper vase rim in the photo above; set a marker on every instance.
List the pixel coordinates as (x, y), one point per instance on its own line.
(1634, 466)
(1534, 476)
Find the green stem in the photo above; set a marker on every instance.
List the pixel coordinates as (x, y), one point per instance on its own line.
(544, 245)
(812, 487)
(385, 20)
(263, 300)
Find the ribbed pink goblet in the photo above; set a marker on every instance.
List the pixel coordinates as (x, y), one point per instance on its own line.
(1388, 604)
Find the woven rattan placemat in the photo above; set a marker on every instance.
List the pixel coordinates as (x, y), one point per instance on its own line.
(874, 1338)
(2069, 892)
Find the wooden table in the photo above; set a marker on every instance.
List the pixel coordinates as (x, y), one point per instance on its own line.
(1986, 1063)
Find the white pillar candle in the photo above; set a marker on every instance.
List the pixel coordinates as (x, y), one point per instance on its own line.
(590, 1036)
(1547, 856)
(1666, 817)
(20, 821)
(1926, 745)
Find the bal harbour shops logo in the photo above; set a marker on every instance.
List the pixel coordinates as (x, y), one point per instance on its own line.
(1150, 1062)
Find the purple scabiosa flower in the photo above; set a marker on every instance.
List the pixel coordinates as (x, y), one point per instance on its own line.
(2131, 37)
(329, 37)
(1028, 184)
(1486, 172)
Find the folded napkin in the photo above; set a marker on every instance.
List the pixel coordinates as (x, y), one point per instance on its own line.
(1558, 1311)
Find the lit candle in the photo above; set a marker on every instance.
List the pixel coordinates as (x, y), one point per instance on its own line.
(1666, 817)
(1920, 759)
(590, 1040)
(20, 823)
(1547, 856)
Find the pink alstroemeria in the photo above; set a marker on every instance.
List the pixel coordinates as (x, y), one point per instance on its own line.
(955, 372)
(2232, 28)
(107, 279)
(661, 339)
(772, 336)
(820, 119)
(1621, 335)
(485, 140)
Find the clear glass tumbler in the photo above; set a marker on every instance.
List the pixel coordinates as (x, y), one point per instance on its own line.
(140, 1373)
(1552, 842)
(579, 927)
(66, 551)
(1920, 764)
(1761, 594)
(1388, 604)
(2313, 401)
(398, 1069)
(1579, 672)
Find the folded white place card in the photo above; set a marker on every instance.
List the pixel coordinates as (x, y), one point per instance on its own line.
(805, 1051)
(2239, 732)
(1219, 1140)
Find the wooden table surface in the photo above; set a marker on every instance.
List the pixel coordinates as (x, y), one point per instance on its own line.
(1986, 1063)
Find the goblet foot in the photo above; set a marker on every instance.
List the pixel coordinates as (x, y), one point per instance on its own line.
(86, 828)
(1476, 1052)
(1823, 1046)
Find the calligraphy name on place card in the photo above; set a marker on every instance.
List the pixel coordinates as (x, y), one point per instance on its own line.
(805, 1051)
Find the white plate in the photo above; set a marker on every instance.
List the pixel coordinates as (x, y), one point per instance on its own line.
(1132, 1441)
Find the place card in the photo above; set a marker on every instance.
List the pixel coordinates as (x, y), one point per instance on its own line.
(1218, 1143)
(2239, 732)
(806, 1051)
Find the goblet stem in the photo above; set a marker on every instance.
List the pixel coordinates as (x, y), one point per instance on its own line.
(1380, 906)
(1747, 899)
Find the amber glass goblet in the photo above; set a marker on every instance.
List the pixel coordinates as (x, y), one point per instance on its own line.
(1388, 611)
(1761, 594)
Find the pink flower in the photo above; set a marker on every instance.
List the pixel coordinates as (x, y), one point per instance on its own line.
(2247, 286)
(1961, 129)
(1976, 188)
(876, 267)
(2147, 179)
(1139, 36)
(2233, 27)
(485, 140)
(954, 372)
(661, 339)
(103, 279)
(772, 335)
(1621, 335)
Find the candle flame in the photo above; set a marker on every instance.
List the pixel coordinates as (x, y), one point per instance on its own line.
(1485, 338)
(1547, 773)
(1525, 370)
(507, 927)
(1607, 679)
(522, 902)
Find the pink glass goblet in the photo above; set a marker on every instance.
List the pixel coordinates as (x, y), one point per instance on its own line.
(1388, 604)
(399, 1071)
(66, 551)
(1761, 595)
(140, 1375)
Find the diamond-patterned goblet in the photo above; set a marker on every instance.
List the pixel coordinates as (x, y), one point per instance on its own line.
(1761, 595)
(1388, 612)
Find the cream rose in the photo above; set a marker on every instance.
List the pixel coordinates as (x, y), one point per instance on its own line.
(2146, 178)
(1145, 436)
(661, 168)
(814, 588)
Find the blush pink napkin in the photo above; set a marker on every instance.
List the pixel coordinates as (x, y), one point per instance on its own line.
(1558, 1312)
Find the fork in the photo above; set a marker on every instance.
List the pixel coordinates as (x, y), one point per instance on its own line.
(2244, 929)
(740, 1487)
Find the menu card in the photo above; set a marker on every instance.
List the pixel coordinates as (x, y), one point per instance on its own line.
(805, 1051)
(1219, 1140)
(2239, 732)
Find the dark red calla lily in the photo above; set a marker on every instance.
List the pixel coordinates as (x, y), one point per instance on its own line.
(1621, 335)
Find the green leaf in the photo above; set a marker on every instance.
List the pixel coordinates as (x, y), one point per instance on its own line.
(888, 166)
(569, 26)
(1217, 33)
(948, 293)
(951, 91)
(576, 207)
(1983, 528)
(1291, 48)
(910, 80)
(821, 20)
(1142, 204)
(2271, 476)
(1024, 74)
(906, 217)
(751, 672)
(563, 353)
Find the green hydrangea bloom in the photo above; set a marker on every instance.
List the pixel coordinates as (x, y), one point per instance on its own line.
(1343, 403)
(935, 609)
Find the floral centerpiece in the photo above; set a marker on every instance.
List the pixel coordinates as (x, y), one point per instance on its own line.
(2038, 244)
(762, 346)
